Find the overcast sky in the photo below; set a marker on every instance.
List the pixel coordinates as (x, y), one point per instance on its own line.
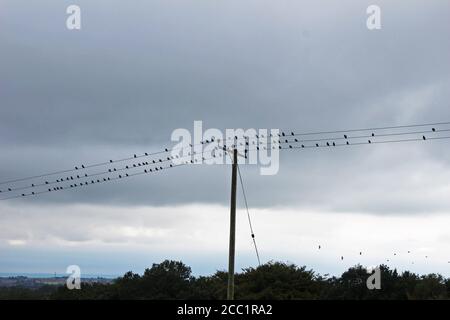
(137, 70)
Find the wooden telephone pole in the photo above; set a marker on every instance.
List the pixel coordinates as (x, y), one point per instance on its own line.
(230, 291)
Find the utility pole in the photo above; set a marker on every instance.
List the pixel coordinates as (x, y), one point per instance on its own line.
(230, 291)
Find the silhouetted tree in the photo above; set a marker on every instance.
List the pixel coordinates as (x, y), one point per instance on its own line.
(276, 280)
(273, 280)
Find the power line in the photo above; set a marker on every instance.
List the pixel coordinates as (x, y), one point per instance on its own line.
(110, 170)
(248, 215)
(369, 142)
(86, 181)
(135, 156)
(292, 145)
(83, 167)
(96, 182)
(373, 128)
(344, 137)
(373, 135)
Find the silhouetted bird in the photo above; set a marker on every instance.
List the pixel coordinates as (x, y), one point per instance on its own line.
(424, 138)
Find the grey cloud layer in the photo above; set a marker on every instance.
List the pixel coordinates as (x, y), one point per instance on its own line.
(136, 72)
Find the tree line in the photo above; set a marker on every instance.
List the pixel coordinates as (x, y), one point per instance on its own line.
(273, 280)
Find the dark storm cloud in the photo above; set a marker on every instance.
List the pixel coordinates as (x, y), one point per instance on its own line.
(134, 73)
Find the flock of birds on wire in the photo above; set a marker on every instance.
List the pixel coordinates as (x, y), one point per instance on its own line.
(147, 163)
